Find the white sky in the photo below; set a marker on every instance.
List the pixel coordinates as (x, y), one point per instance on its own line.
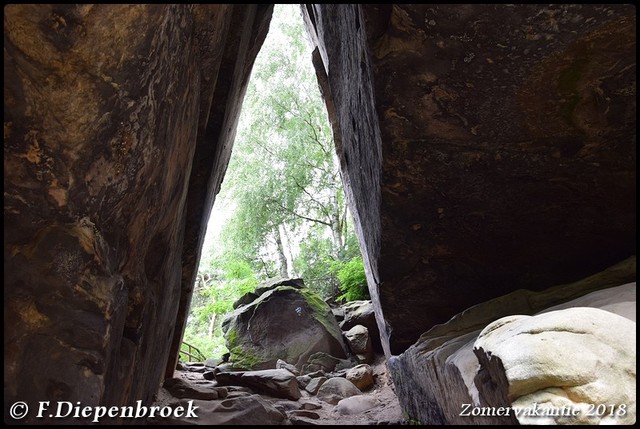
(223, 209)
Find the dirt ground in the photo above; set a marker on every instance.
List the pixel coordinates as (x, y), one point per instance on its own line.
(387, 411)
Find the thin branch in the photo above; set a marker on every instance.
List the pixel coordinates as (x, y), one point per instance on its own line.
(293, 212)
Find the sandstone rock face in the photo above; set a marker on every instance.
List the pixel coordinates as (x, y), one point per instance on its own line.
(283, 322)
(449, 370)
(118, 125)
(484, 148)
(579, 358)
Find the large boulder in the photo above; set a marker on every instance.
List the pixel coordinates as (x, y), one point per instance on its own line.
(284, 322)
(579, 359)
(438, 373)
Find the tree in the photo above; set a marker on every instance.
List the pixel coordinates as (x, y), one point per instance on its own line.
(284, 176)
(283, 182)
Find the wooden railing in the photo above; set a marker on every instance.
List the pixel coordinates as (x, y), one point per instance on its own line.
(193, 354)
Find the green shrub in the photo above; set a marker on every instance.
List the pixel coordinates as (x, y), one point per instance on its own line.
(353, 281)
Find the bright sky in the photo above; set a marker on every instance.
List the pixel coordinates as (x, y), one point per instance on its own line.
(222, 209)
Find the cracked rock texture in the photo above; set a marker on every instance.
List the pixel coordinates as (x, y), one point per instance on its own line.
(118, 125)
(484, 148)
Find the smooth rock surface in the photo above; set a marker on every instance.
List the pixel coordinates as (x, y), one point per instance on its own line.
(448, 366)
(355, 405)
(564, 358)
(335, 389)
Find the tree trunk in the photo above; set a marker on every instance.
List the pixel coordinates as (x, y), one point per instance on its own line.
(212, 324)
(336, 227)
(284, 269)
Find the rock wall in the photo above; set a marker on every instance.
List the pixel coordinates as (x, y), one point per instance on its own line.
(443, 370)
(118, 124)
(484, 148)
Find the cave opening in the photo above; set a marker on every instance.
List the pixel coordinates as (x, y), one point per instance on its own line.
(281, 211)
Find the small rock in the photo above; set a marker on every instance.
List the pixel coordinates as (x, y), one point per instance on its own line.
(360, 343)
(209, 375)
(305, 413)
(180, 388)
(296, 420)
(280, 364)
(315, 384)
(303, 380)
(356, 404)
(310, 405)
(361, 376)
(335, 389)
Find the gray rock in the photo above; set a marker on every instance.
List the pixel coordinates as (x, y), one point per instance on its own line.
(315, 384)
(243, 410)
(356, 404)
(284, 322)
(303, 380)
(335, 389)
(305, 413)
(308, 404)
(362, 313)
(276, 382)
(180, 388)
(324, 362)
(360, 343)
(280, 364)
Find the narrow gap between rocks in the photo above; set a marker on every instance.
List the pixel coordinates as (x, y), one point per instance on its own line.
(281, 326)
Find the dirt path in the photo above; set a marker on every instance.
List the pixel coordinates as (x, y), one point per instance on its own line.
(386, 411)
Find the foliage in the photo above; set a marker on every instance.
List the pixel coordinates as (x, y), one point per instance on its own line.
(353, 281)
(289, 213)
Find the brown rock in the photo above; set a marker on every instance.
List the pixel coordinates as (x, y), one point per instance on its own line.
(361, 376)
(119, 121)
(479, 154)
(276, 382)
